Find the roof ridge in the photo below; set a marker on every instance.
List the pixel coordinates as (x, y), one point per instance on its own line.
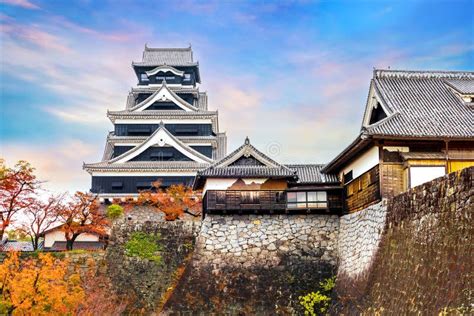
(147, 48)
(391, 73)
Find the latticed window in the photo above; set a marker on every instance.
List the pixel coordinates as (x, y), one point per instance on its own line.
(311, 199)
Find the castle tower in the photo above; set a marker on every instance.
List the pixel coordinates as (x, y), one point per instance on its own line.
(166, 132)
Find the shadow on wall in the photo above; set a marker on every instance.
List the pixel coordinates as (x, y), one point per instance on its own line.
(424, 264)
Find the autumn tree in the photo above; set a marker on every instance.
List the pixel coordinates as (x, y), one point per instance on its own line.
(17, 189)
(82, 215)
(38, 286)
(173, 201)
(41, 216)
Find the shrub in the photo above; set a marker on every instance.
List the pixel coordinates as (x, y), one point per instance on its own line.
(317, 303)
(114, 211)
(144, 246)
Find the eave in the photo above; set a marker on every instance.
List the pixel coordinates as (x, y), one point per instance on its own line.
(360, 143)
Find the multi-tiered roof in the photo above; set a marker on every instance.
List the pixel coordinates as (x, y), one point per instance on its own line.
(165, 132)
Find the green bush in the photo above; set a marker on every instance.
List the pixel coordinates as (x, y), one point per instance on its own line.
(114, 211)
(317, 303)
(144, 246)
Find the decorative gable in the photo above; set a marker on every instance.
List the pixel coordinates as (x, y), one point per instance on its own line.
(247, 161)
(375, 110)
(162, 137)
(166, 95)
(165, 69)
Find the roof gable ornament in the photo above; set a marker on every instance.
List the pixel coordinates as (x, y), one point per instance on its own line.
(162, 137)
(375, 110)
(163, 94)
(165, 68)
(247, 151)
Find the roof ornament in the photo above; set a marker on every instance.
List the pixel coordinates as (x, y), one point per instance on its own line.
(247, 141)
(162, 124)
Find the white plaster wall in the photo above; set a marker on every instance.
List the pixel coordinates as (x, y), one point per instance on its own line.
(223, 184)
(420, 175)
(363, 163)
(57, 235)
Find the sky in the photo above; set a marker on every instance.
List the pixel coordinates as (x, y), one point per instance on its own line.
(291, 75)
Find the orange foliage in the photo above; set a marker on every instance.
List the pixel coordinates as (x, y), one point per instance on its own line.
(173, 202)
(82, 215)
(41, 216)
(17, 188)
(38, 286)
(100, 297)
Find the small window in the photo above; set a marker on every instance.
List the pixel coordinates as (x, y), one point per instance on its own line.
(117, 185)
(159, 78)
(350, 189)
(144, 77)
(145, 185)
(187, 77)
(348, 177)
(303, 200)
(170, 78)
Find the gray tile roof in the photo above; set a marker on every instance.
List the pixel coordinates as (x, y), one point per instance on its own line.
(146, 166)
(422, 105)
(176, 89)
(164, 114)
(311, 173)
(84, 245)
(268, 167)
(463, 86)
(13, 245)
(166, 56)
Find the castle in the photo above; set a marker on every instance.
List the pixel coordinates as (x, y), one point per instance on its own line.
(417, 126)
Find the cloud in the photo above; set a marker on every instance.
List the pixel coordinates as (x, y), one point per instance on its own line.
(21, 3)
(60, 164)
(89, 76)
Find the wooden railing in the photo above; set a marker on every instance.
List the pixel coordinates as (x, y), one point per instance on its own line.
(231, 200)
(265, 200)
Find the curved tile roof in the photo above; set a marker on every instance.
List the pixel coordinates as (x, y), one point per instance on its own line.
(166, 56)
(423, 104)
(311, 173)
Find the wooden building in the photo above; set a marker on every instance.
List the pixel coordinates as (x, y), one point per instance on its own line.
(248, 181)
(417, 126)
(166, 131)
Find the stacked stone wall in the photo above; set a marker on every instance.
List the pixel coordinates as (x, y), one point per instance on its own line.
(359, 238)
(424, 263)
(257, 264)
(247, 240)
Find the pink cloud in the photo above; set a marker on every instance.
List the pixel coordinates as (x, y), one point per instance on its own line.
(60, 165)
(21, 3)
(34, 35)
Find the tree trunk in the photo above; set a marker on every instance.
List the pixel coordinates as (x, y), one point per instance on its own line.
(2, 231)
(70, 242)
(35, 243)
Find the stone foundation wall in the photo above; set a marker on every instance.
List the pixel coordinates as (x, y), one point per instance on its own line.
(424, 263)
(246, 240)
(257, 264)
(359, 237)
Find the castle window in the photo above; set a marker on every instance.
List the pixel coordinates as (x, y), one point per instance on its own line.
(303, 200)
(187, 77)
(117, 185)
(348, 177)
(144, 77)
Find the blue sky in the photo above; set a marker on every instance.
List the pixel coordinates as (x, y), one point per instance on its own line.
(292, 75)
